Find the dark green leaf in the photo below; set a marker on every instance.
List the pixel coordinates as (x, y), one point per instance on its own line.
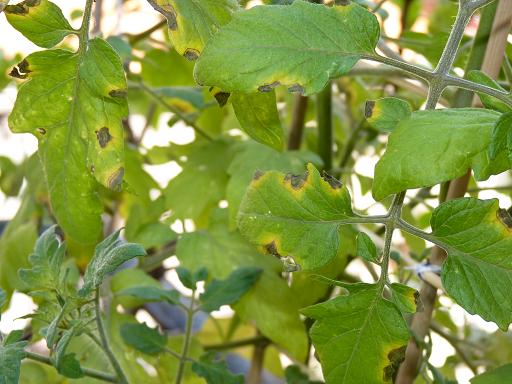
(67, 364)
(215, 372)
(366, 248)
(186, 278)
(229, 290)
(70, 367)
(143, 338)
(10, 361)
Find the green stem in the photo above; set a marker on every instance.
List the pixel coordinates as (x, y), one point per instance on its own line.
(324, 120)
(186, 342)
(87, 371)
(104, 341)
(84, 28)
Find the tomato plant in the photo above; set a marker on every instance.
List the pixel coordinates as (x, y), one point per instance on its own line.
(254, 250)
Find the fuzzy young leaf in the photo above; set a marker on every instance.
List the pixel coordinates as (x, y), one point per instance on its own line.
(229, 290)
(356, 327)
(81, 135)
(478, 271)
(434, 146)
(263, 47)
(46, 263)
(192, 23)
(40, 21)
(11, 355)
(405, 298)
(386, 113)
(110, 254)
(143, 338)
(488, 101)
(215, 372)
(366, 248)
(289, 215)
(258, 117)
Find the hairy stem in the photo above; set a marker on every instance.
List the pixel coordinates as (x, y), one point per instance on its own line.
(105, 342)
(186, 342)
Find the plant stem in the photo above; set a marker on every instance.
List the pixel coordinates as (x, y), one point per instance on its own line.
(236, 343)
(87, 371)
(324, 120)
(186, 342)
(84, 28)
(104, 340)
(297, 126)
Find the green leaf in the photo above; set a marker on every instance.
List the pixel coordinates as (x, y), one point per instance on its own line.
(127, 279)
(386, 113)
(289, 215)
(192, 23)
(366, 248)
(478, 270)
(263, 47)
(70, 367)
(405, 298)
(215, 372)
(110, 254)
(259, 118)
(360, 326)
(498, 375)
(40, 21)
(81, 136)
(10, 361)
(501, 139)
(229, 290)
(435, 146)
(186, 277)
(67, 364)
(151, 294)
(294, 375)
(143, 338)
(488, 101)
(46, 263)
(3, 300)
(11, 176)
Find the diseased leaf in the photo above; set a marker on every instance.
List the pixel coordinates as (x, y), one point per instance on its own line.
(110, 254)
(193, 22)
(478, 270)
(40, 21)
(258, 117)
(366, 248)
(11, 355)
(435, 146)
(498, 375)
(488, 101)
(46, 261)
(263, 47)
(229, 290)
(386, 113)
(215, 372)
(290, 215)
(143, 338)
(405, 298)
(81, 135)
(360, 326)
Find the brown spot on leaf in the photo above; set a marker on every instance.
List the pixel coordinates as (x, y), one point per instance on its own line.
(418, 302)
(118, 93)
(103, 136)
(21, 70)
(395, 357)
(222, 98)
(271, 248)
(333, 182)
(115, 180)
(257, 174)
(505, 217)
(191, 54)
(296, 181)
(42, 131)
(296, 88)
(268, 87)
(22, 8)
(368, 108)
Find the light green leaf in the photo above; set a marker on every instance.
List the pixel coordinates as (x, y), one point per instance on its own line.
(229, 290)
(193, 22)
(81, 136)
(478, 271)
(46, 263)
(143, 338)
(435, 146)
(276, 316)
(10, 361)
(366, 248)
(258, 117)
(263, 47)
(110, 254)
(215, 372)
(488, 101)
(386, 113)
(405, 298)
(500, 375)
(40, 21)
(289, 215)
(360, 337)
